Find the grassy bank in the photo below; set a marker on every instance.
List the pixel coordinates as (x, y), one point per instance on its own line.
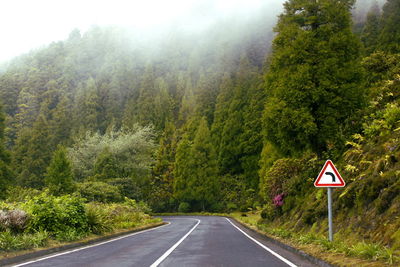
(46, 221)
(341, 252)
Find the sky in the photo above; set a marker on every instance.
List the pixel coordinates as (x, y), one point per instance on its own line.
(28, 24)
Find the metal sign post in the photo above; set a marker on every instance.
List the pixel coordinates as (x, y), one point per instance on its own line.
(329, 177)
(330, 215)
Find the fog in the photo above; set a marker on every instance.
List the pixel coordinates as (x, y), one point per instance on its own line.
(27, 24)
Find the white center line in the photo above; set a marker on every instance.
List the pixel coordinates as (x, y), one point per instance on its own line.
(169, 251)
(264, 247)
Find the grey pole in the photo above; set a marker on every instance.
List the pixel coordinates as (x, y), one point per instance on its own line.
(330, 213)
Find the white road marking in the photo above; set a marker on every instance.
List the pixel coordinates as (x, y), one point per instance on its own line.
(169, 251)
(264, 247)
(91, 246)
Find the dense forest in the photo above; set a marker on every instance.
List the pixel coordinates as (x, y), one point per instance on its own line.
(237, 116)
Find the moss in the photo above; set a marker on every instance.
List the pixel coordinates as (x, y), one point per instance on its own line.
(386, 197)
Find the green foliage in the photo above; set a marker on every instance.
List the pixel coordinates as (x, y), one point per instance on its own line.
(389, 38)
(314, 80)
(371, 29)
(184, 207)
(10, 242)
(99, 191)
(5, 171)
(59, 178)
(20, 194)
(196, 170)
(59, 216)
(127, 187)
(280, 173)
(98, 216)
(96, 153)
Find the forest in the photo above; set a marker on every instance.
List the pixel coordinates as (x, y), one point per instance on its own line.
(239, 116)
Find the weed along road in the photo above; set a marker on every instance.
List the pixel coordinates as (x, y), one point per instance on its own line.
(185, 241)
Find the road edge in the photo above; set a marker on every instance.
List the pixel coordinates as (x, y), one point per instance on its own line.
(49, 251)
(297, 251)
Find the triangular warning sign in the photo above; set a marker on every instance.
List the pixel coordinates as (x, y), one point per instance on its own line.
(329, 176)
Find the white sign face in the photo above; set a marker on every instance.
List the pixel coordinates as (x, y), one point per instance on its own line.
(329, 176)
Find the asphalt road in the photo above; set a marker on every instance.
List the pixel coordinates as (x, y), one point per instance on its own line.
(185, 241)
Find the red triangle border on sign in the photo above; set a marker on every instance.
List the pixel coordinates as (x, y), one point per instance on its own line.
(329, 162)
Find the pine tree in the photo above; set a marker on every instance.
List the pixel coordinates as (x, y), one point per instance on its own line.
(182, 169)
(371, 29)
(389, 39)
(162, 177)
(313, 84)
(106, 166)
(58, 177)
(34, 153)
(5, 171)
(203, 181)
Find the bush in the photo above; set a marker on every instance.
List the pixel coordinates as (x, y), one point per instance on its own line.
(13, 220)
(56, 215)
(99, 192)
(20, 194)
(268, 212)
(184, 207)
(127, 187)
(99, 220)
(231, 207)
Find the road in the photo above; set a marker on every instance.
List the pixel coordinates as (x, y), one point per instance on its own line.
(185, 241)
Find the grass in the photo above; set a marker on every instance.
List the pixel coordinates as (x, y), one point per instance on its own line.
(341, 252)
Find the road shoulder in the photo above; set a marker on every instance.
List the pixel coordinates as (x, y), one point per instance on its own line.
(277, 245)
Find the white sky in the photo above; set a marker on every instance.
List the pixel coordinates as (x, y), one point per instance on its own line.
(27, 24)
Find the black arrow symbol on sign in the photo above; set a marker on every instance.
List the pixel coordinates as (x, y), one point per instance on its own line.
(333, 176)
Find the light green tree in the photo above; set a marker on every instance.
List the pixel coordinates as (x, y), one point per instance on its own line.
(59, 177)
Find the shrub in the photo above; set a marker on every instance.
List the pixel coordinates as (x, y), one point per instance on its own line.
(231, 207)
(13, 220)
(99, 220)
(56, 215)
(99, 192)
(127, 187)
(20, 194)
(184, 207)
(268, 213)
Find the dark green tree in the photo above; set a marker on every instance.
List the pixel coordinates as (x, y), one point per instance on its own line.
(370, 33)
(106, 166)
(59, 177)
(5, 171)
(313, 83)
(389, 39)
(203, 181)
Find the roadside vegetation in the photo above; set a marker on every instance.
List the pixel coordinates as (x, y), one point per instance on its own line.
(43, 219)
(343, 251)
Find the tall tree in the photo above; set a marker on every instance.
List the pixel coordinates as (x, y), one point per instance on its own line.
(58, 177)
(204, 179)
(371, 29)
(313, 84)
(389, 39)
(5, 171)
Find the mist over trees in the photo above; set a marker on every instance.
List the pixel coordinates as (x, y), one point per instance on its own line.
(195, 121)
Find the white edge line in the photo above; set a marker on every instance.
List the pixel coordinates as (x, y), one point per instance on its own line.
(169, 251)
(90, 246)
(264, 247)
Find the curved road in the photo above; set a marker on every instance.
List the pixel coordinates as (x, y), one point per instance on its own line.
(185, 241)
